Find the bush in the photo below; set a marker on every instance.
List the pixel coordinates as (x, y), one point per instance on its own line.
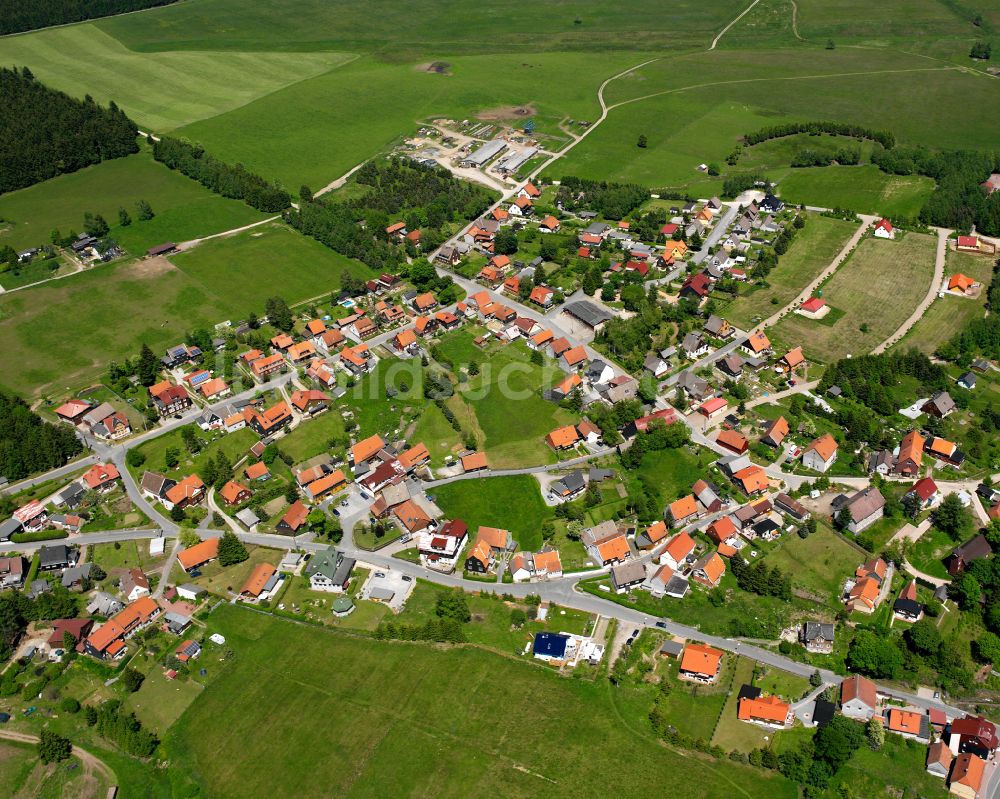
(132, 679)
(53, 747)
(69, 705)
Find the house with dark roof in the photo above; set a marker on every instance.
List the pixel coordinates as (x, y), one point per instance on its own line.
(972, 550)
(817, 636)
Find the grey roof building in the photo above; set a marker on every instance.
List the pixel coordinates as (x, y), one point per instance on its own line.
(587, 312)
(247, 518)
(9, 527)
(103, 604)
(76, 574)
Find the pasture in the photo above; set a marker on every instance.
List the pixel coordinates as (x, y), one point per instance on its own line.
(64, 333)
(511, 503)
(815, 246)
(817, 564)
(949, 314)
(397, 717)
(865, 189)
(160, 91)
(877, 287)
(184, 209)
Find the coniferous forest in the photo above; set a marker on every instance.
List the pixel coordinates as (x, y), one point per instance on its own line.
(44, 132)
(17, 15)
(28, 444)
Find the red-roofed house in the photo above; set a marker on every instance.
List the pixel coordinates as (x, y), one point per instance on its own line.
(884, 229)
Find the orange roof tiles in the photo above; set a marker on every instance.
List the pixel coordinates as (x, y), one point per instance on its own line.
(405, 338)
(701, 659)
(108, 637)
(200, 553)
(494, 536)
(679, 547)
(825, 446)
(562, 437)
(257, 470)
(296, 515)
(968, 770)
(764, 708)
(575, 356)
(714, 568)
(366, 448)
(905, 721)
(548, 561)
(258, 579)
(186, 490)
(656, 531)
(616, 548)
(758, 342)
(99, 474)
(960, 282)
(721, 529)
(752, 479)
(474, 461)
(794, 357)
(232, 492)
(683, 508)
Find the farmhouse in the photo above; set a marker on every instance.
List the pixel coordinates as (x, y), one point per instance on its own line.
(821, 453)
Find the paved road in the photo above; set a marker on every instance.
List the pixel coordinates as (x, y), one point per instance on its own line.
(936, 285)
(549, 467)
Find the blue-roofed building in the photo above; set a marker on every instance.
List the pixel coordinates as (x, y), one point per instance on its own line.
(550, 646)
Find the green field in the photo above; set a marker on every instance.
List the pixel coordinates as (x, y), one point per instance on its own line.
(949, 314)
(23, 775)
(416, 720)
(184, 209)
(878, 286)
(865, 189)
(83, 59)
(818, 564)
(510, 503)
(813, 249)
(65, 332)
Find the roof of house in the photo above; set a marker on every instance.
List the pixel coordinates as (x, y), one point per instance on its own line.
(939, 754)
(758, 342)
(199, 553)
(794, 357)
(258, 579)
(701, 659)
(777, 430)
(99, 474)
(825, 446)
(186, 489)
(960, 282)
(494, 536)
(721, 529)
(865, 503)
(563, 437)
(257, 470)
(765, 708)
(473, 461)
(912, 447)
(752, 479)
(925, 488)
(296, 515)
(231, 492)
(860, 688)
(712, 565)
(813, 304)
(365, 449)
(968, 770)
(680, 546)
(123, 621)
(905, 721)
(683, 508)
(732, 439)
(884, 224)
(575, 355)
(616, 548)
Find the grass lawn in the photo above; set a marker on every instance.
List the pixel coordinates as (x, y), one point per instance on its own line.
(668, 474)
(507, 398)
(929, 550)
(160, 702)
(125, 555)
(184, 208)
(814, 248)
(789, 687)
(949, 314)
(235, 445)
(895, 770)
(313, 437)
(878, 287)
(107, 312)
(221, 580)
(375, 411)
(160, 91)
(512, 503)
(818, 564)
(731, 733)
(233, 267)
(865, 189)
(694, 708)
(412, 710)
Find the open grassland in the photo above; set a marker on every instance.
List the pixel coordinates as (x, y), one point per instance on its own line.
(395, 29)
(417, 720)
(865, 189)
(878, 287)
(63, 333)
(694, 108)
(270, 260)
(814, 248)
(949, 314)
(317, 129)
(511, 503)
(160, 91)
(184, 209)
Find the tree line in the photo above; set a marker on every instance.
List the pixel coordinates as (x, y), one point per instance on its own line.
(44, 132)
(17, 16)
(610, 200)
(981, 334)
(424, 197)
(958, 200)
(229, 180)
(883, 137)
(28, 444)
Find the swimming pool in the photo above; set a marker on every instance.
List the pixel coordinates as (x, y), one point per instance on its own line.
(348, 303)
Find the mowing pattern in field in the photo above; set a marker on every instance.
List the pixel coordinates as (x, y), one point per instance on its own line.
(878, 287)
(184, 209)
(353, 718)
(812, 251)
(949, 314)
(65, 331)
(158, 90)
